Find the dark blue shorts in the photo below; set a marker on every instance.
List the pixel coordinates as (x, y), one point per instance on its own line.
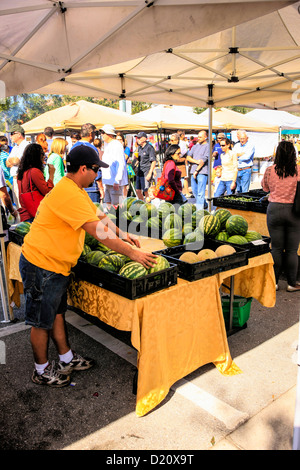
(45, 294)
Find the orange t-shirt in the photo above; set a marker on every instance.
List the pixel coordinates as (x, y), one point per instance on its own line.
(56, 239)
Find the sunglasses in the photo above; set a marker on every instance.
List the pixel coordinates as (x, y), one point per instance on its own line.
(95, 168)
(222, 145)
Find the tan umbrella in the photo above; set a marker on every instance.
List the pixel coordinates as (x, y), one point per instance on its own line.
(73, 115)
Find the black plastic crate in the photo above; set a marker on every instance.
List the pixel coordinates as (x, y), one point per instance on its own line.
(129, 288)
(251, 203)
(256, 247)
(195, 271)
(15, 237)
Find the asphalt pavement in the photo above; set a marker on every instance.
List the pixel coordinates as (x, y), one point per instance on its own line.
(205, 411)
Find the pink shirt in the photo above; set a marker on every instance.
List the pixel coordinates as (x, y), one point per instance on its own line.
(281, 189)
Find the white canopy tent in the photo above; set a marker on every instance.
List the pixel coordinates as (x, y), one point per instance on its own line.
(283, 119)
(42, 41)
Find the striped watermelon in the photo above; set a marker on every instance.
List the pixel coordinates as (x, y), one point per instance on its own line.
(210, 225)
(173, 221)
(223, 215)
(135, 208)
(100, 246)
(187, 228)
(236, 225)
(133, 270)
(153, 223)
(137, 219)
(148, 210)
(165, 209)
(91, 241)
(237, 240)
(111, 262)
(222, 236)
(190, 238)
(125, 215)
(172, 237)
(22, 228)
(197, 216)
(186, 210)
(94, 257)
(127, 203)
(252, 235)
(161, 264)
(85, 251)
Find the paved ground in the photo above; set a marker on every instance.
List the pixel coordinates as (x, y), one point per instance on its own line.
(205, 411)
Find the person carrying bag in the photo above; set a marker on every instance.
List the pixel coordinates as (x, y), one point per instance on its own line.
(169, 185)
(31, 181)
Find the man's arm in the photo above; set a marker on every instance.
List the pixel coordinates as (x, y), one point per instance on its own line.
(5, 198)
(105, 235)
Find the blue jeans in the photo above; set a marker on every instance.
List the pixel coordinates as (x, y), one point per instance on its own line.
(198, 188)
(243, 181)
(223, 186)
(45, 294)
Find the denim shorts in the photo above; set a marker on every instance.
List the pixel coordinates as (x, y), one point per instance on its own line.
(45, 294)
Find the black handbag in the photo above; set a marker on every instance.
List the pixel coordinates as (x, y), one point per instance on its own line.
(296, 205)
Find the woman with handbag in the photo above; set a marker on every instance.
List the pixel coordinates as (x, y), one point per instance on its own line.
(281, 180)
(31, 181)
(172, 175)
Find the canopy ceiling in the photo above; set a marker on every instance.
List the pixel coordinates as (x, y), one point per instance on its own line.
(73, 115)
(43, 41)
(253, 64)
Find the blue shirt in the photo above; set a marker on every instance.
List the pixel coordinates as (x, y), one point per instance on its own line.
(200, 152)
(3, 157)
(217, 148)
(248, 149)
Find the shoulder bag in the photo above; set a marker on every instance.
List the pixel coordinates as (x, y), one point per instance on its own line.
(31, 199)
(163, 189)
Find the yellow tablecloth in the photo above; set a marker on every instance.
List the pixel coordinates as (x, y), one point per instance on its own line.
(176, 330)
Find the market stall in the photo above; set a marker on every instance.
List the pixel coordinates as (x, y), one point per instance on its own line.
(172, 337)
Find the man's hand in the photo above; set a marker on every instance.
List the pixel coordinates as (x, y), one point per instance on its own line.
(131, 239)
(146, 259)
(116, 186)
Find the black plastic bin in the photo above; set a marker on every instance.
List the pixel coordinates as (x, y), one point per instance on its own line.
(129, 288)
(256, 247)
(202, 269)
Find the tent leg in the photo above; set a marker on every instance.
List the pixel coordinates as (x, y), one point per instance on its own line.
(296, 436)
(210, 103)
(7, 310)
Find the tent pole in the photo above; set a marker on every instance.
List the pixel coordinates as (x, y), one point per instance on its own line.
(296, 435)
(210, 103)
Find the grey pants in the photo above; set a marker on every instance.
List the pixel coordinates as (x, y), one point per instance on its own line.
(284, 229)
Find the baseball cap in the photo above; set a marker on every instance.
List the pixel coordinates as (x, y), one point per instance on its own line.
(17, 128)
(108, 129)
(84, 153)
(141, 134)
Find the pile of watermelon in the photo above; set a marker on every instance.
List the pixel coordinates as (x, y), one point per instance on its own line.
(96, 253)
(184, 224)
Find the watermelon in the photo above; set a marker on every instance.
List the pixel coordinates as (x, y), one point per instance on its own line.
(125, 215)
(186, 210)
(190, 238)
(137, 219)
(111, 262)
(148, 210)
(133, 270)
(100, 246)
(172, 237)
(165, 209)
(252, 235)
(210, 225)
(197, 216)
(236, 225)
(222, 236)
(223, 215)
(161, 264)
(94, 257)
(187, 228)
(22, 228)
(91, 241)
(135, 208)
(173, 221)
(237, 240)
(153, 223)
(85, 251)
(127, 203)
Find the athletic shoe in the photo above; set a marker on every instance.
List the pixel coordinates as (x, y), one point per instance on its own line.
(50, 377)
(293, 288)
(78, 363)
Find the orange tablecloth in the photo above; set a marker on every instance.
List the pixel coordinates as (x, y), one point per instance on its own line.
(176, 330)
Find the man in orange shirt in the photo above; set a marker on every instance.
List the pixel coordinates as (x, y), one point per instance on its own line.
(51, 249)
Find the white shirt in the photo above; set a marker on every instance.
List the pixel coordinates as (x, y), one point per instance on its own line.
(17, 151)
(113, 155)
